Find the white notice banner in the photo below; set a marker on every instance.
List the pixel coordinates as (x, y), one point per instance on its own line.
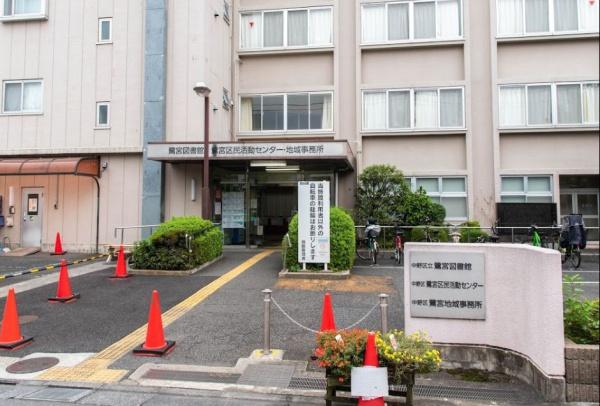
(313, 222)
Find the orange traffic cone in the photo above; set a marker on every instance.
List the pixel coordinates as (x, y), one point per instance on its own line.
(121, 271)
(327, 317)
(58, 249)
(10, 332)
(155, 345)
(371, 360)
(64, 294)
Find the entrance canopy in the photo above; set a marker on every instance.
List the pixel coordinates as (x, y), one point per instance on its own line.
(337, 153)
(80, 166)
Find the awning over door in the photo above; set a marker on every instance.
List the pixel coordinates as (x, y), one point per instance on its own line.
(80, 166)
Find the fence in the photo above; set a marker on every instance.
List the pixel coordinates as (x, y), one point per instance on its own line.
(268, 299)
(515, 235)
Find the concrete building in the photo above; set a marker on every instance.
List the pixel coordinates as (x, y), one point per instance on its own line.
(478, 102)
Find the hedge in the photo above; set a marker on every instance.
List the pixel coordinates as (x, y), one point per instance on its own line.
(342, 240)
(166, 248)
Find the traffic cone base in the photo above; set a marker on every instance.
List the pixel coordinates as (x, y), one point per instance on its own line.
(17, 344)
(58, 253)
(67, 299)
(156, 352)
(120, 276)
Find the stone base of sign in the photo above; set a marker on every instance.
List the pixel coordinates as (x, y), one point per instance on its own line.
(512, 363)
(328, 275)
(165, 272)
(581, 365)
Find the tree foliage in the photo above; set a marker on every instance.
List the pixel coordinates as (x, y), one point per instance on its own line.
(380, 194)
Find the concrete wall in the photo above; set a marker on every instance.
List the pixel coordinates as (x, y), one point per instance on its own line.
(523, 302)
(75, 197)
(76, 73)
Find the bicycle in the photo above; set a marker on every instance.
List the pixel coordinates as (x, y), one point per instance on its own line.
(399, 246)
(367, 248)
(571, 256)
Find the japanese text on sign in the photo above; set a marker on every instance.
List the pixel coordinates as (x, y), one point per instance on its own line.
(447, 285)
(313, 222)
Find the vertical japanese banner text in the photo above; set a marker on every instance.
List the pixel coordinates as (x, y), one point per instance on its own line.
(313, 222)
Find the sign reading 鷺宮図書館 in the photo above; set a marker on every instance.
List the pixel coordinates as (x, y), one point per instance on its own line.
(313, 222)
(447, 285)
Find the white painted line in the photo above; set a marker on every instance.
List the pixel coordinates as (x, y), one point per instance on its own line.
(581, 283)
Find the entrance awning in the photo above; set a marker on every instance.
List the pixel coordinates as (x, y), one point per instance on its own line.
(79, 166)
(336, 152)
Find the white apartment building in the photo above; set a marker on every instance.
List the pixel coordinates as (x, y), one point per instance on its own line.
(476, 101)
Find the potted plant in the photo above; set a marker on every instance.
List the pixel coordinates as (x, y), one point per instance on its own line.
(405, 355)
(339, 351)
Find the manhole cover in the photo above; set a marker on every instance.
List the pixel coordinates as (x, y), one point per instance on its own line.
(30, 365)
(267, 375)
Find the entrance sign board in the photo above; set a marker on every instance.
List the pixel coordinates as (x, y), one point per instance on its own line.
(254, 150)
(313, 222)
(233, 210)
(447, 285)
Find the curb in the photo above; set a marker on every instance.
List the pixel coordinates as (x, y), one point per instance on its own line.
(49, 267)
(162, 272)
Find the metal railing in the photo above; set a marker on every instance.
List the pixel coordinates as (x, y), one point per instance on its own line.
(150, 226)
(514, 235)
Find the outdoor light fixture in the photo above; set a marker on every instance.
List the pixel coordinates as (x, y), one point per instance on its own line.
(291, 168)
(268, 164)
(202, 89)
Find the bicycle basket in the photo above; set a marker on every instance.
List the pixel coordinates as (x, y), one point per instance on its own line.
(372, 231)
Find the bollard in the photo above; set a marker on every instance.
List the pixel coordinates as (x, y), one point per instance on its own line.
(383, 304)
(267, 322)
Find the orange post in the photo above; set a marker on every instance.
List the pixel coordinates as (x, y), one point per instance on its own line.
(327, 317)
(155, 344)
(64, 294)
(10, 332)
(58, 249)
(121, 270)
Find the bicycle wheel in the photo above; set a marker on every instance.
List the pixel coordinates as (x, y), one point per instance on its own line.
(564, 254)
(575, 257)
(362, 249)
(374, 252)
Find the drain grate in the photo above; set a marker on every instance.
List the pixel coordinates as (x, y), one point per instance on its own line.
(307, 383)
(497, 395)
(191, 376)
(267, 375)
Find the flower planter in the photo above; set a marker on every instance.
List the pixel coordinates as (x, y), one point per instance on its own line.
(334, 386)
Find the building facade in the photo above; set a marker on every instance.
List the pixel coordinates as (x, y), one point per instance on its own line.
(477, 102)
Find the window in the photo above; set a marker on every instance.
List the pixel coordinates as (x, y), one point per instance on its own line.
(429, 20)
(105, 30)
(450, 192)
(23, 8)
(22, 96)
(286, 112)
(102, 114)
(405, 109)
(546, 17)
(294, 28)
(526, 189)
(547, 104)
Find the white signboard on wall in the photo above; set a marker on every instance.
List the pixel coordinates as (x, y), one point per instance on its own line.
(447, 285)
(313, 222)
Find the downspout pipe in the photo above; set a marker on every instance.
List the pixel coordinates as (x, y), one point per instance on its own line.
(97, 212)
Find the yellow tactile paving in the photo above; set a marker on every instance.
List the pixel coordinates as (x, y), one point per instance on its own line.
(95, 369)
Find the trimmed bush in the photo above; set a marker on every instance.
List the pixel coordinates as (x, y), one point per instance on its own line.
(166, 248)
(342, 239)
(471, 235)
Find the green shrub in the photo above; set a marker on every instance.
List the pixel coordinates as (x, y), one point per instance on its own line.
(442, 235)
(167, 248)
(471, 234)
(580, 315)
(342, 240)
(417, 234)
(420, 210)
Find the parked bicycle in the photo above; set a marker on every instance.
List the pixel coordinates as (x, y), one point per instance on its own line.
(399, 246)
(367, 248)
(573, 239)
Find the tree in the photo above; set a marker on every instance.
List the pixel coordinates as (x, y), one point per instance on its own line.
(421, 210)
(380, 195)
